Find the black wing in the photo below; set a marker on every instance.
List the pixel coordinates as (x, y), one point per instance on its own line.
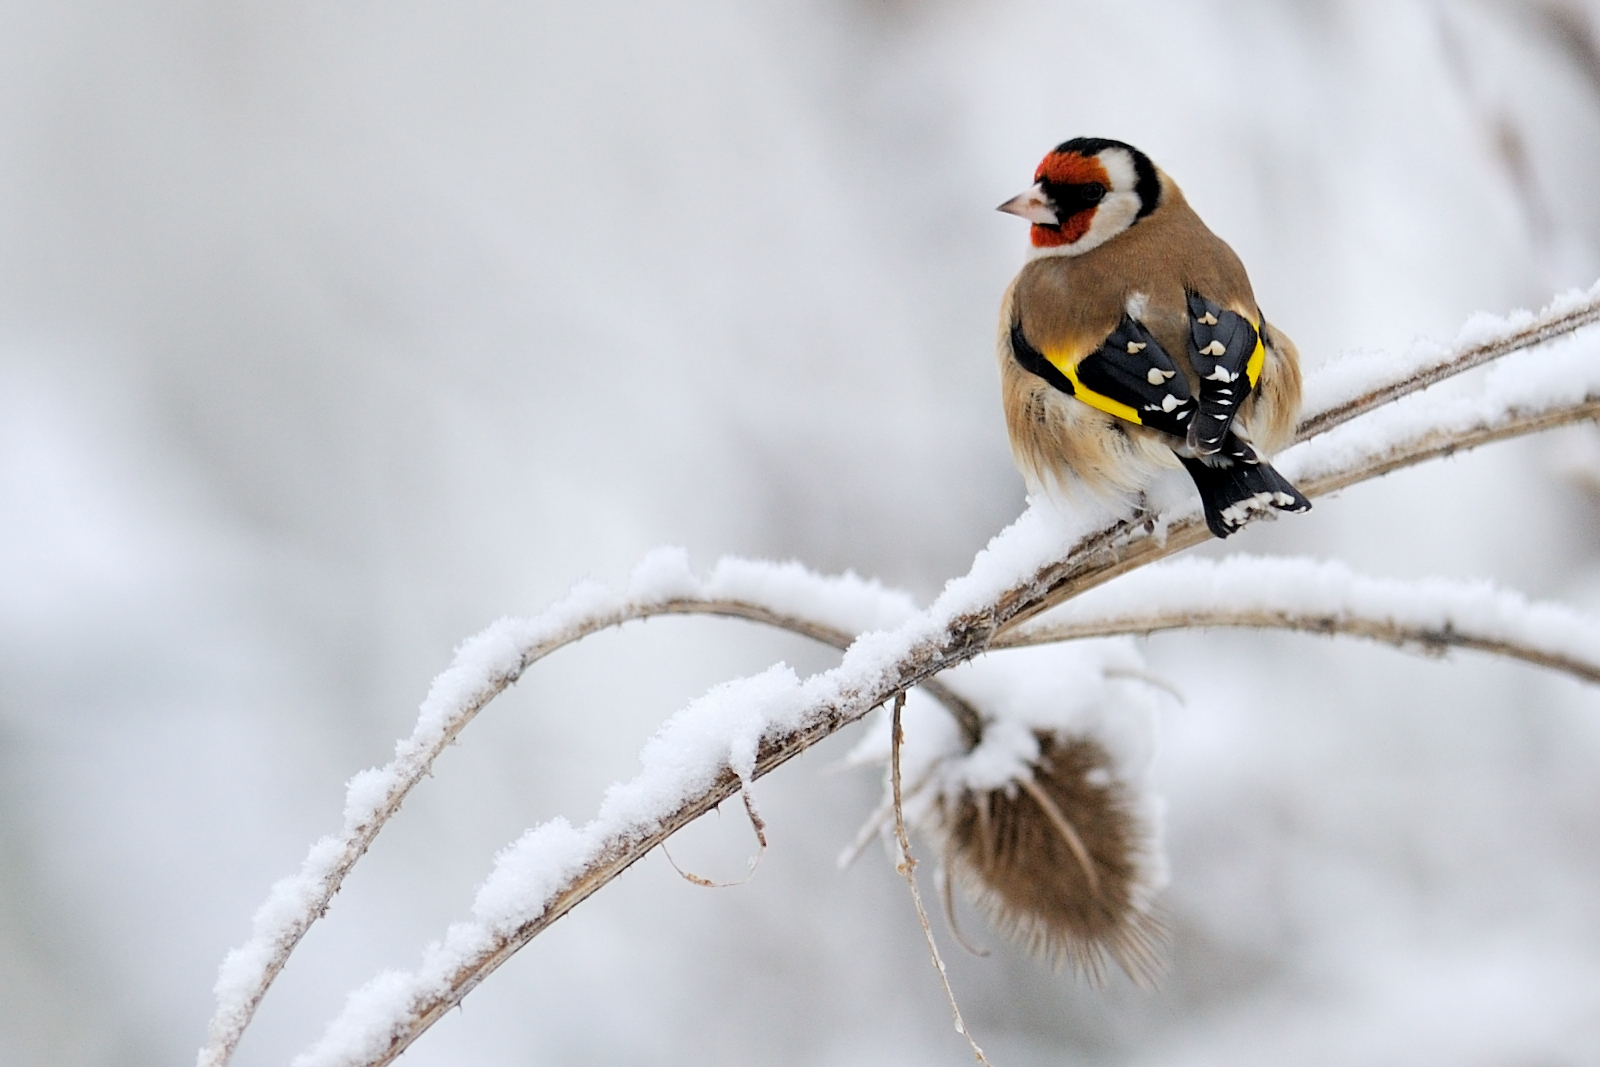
(1130, 376)
(1224, 349)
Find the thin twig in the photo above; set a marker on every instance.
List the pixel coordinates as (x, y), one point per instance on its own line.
(1460, 634)
(879, 820)
(947, 899)
(757, 824)
(908, 867)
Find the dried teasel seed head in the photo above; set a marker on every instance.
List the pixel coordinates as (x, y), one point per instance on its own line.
(1061, 863)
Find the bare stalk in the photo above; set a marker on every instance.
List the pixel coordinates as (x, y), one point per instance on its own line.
(908, 867)
(1430, 640)
(1094, 560)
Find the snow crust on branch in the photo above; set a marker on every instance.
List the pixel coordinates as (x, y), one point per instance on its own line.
(1359, 381)
(662, 583)
(720, 731)
(745, 728)
(1563, 374)
(1325, 597)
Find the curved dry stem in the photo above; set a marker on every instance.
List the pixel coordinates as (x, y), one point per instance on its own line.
(1093, 560)
(1430, 640)
(332, 859)
(758, 825)
(948, 902)
(908, 867)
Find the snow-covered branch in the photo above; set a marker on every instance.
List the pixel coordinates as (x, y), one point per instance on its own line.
(1432, 614)
(1358, 383)
(832, 610)
(744, 729)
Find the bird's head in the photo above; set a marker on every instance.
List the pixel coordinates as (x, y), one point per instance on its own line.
(1085, 192)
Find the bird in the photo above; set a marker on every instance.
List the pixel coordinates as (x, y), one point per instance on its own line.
(1130, 342)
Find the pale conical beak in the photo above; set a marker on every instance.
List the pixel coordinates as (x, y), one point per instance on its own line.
(1033, 206)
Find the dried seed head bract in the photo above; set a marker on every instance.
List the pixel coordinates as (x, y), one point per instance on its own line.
(1061, 862)
(1047, 824)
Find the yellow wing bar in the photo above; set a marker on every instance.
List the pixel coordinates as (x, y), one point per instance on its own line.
(1068, 363)
(1069, 367)
(1258, 358)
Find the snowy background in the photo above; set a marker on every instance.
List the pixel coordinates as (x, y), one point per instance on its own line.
(330, 333)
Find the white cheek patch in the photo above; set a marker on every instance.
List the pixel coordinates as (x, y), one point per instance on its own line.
(1120, 169)
(1115, 214)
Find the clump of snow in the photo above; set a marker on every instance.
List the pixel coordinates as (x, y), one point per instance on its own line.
(846, 601)
(528, 873)
(365, 795)
(663, 574)
(373, 1016)
(1044, 532)
(721, 729)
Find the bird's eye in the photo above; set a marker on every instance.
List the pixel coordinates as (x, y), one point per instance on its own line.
(1094, 192)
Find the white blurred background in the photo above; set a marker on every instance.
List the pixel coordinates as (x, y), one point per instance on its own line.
(331, 332)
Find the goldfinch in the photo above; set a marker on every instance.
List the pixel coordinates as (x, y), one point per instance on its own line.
(1131, 342)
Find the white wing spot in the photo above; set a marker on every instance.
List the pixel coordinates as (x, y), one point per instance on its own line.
(1215, 348)
(1169, 402)
(1208, 319)
(1135, 346)
(1237, 515)
(1221, 373)
(1155, 377)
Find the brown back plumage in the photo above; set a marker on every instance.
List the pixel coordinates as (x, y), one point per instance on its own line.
(1070, 303)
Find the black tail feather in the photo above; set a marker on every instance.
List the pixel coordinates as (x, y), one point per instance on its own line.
(1236, 485)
